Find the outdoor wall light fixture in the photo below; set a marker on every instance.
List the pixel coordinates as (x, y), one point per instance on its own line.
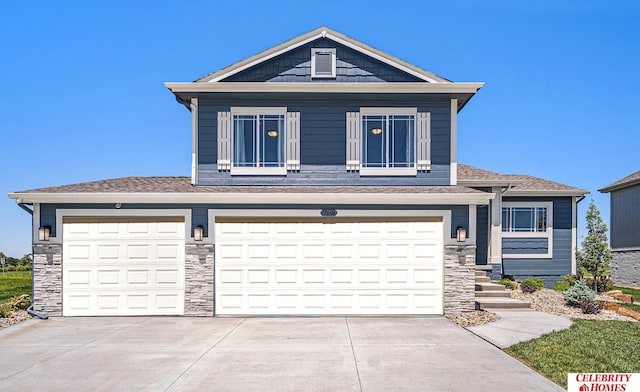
(44, 233)
(198, 233)
(461, 234)
(376, 131)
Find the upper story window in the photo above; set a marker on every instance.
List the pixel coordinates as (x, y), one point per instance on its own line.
(388, 141)
(323, 63)
(258, 141)
(525, 219)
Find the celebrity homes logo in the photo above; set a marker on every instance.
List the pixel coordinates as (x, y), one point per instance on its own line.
(603, 382)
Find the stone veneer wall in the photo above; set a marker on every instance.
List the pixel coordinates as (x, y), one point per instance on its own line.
(625, 268)
(459, 279)
(198, 271)
(47, 283)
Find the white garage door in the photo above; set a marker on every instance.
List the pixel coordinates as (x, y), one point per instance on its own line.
(314, 267)
(123, 266)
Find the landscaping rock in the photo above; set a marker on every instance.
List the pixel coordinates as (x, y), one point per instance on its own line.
(626, 298)
(611, 306)
(629, 313)
(613, 293)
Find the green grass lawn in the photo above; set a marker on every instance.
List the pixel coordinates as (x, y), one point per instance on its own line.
(588, 346)
(13, 284)
(628, 290)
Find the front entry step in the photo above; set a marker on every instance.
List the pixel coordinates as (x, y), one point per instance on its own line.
(487, 303)
(493, 296)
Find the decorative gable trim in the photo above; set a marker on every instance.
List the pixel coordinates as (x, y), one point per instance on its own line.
(323, 32)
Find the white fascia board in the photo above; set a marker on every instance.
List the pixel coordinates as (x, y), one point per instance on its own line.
(328, 87)
(258, 198)
(546, 193)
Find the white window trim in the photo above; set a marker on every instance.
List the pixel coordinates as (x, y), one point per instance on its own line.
(389, 171)
(263, 171)
(333, 63)
(548, 234)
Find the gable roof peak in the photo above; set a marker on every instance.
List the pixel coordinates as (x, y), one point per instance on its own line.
(328, 33)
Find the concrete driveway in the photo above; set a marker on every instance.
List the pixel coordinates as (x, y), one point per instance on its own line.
(255, 354)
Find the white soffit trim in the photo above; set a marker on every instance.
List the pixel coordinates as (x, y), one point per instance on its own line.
(258, 198)
(328, 87)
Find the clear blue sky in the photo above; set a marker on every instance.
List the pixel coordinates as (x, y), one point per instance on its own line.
(82, 94)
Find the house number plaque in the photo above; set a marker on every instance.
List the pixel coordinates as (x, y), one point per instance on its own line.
(328, 212)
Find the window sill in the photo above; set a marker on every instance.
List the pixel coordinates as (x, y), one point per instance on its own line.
(391, 172)
(258, 171)
(527, 256)
(520, 234)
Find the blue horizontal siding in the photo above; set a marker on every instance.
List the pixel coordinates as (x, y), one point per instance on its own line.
(525, 245)
(323, 139)
(558, 265)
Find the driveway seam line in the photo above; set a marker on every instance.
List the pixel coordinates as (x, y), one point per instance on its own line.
(205, 353)
(353, 352)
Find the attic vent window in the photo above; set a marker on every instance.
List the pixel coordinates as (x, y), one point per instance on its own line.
(323, 63)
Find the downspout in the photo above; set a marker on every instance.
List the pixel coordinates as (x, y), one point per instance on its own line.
(30, 308)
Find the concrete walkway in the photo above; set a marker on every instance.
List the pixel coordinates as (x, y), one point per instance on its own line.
(517, 326)
(255, 354)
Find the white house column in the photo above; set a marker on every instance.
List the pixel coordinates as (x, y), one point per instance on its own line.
(495, 239)
(194, 141)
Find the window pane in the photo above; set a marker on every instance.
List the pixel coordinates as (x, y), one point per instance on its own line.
(271, 141)
(401, 139)
(374, 134)
(542, 219)
(523, 219)
(506, 226)
(244, 141)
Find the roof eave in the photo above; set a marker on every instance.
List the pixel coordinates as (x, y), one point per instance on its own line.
(488, 183)
(547, 193)
(329, 87)
(617, 187)
(257, 198)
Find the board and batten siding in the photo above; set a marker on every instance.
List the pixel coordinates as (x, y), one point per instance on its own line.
(547, 269)
(625, 218)
(323, 139)
(200, 212)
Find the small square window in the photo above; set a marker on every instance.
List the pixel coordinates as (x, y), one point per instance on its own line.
(323, 63)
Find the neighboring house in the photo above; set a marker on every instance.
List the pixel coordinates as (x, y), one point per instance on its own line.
(325, 180)
(624, 229)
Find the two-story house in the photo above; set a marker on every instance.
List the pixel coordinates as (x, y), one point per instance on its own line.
(624, 229)
(325, 180)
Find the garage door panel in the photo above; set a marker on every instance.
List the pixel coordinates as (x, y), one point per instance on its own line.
(338, 268)
(123, 268)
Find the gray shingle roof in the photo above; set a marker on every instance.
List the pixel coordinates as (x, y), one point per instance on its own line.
(631, 179)
(183, 185)
(468, 175)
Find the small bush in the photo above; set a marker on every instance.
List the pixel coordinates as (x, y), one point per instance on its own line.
(561, 285)
(571, 279)
(590, 307)
(528, 288)
(10, 268)
(579, 292)
(5, 310)
(21, 302)
(507, 283)
(604, 284)
(535, 282)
